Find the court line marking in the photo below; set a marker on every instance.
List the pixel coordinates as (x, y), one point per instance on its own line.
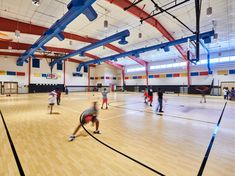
(167, 115)
(103, 119)
(200, 172)
(123, 154)
(20, 168)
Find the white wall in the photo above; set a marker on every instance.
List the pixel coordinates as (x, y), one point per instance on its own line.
(8, 63)
(71, 80)
(104, 70)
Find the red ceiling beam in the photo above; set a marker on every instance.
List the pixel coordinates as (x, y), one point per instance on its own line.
(24, 46)
(39, 56)
(138, 12)
(11, 25)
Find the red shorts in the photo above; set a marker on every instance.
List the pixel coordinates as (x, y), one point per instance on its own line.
(88, 119)
(105, 100)
(150, 98)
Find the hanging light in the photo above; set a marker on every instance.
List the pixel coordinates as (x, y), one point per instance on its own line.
(17, 33)
(106, 24)
(70, 42)
(36, 2)
(209, 9)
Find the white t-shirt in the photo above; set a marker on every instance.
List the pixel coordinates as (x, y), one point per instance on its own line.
(225, 91)
(52, 98)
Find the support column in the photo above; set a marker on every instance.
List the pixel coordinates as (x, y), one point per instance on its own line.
(188, 74)
(64, 73)
(89, 78)
(123, 77)
(147, 73)
(29, 72)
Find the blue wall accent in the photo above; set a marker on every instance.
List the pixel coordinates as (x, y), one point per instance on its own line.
(231, 71)
(194, 73)
(11, 73)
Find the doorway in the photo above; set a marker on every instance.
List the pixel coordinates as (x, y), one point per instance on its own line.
(10, 88)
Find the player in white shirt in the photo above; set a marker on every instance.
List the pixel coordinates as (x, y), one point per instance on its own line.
(51, 100)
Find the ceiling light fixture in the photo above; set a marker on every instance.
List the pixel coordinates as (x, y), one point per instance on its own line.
(17, 33)
(36, 2)
(106, 24)
(209, 9)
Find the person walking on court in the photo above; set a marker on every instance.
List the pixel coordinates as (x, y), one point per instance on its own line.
(225, 90)
(89, 115)
(51, 100)
(150, 95)
(145, 94)
(105, 98)
(66, 91)
(160, 100)
(203, 90)
(58, 96)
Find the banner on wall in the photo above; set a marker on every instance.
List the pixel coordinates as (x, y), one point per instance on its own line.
(51, 76)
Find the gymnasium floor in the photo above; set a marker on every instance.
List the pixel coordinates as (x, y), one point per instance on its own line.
(173, 144)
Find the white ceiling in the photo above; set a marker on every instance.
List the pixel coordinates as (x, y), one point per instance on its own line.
(51, 10)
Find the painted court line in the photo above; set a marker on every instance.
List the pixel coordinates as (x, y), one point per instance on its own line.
(100, 118)
(200, 172)
(167, 115)
(121, 153)
(20, 168)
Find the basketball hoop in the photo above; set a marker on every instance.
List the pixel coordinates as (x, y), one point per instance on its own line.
(191, 50)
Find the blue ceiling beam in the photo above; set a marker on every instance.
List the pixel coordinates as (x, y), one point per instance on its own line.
(204, 36)
(75, 8)
(119, 36)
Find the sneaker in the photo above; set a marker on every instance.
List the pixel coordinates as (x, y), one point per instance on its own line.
(106, 107)
(97, 132)
(161, 111)
(150, 105)
(71, 138)
(101, 107)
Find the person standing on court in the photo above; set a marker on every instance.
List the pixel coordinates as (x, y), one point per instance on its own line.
(51, 100)
(145, 94)
(225, 90)
(66, 91)
(150, 95)
(105, 98)
(89, 115)
(160, 100)
(58, 96)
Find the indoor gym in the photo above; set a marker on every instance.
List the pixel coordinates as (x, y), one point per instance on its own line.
(184, 49)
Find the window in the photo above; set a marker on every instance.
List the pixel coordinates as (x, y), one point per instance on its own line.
(59, 66)
(36, 63)
(224, 59)
(135, 69)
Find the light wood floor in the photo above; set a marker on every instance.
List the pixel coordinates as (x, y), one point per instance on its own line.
(173, 144)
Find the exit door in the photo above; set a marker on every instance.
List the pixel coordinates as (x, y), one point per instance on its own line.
(10, 88)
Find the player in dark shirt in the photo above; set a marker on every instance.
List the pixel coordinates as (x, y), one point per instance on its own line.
(160, 98)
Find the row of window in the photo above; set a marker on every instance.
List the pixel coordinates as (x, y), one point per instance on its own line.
(183, 64)
(36, 64)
